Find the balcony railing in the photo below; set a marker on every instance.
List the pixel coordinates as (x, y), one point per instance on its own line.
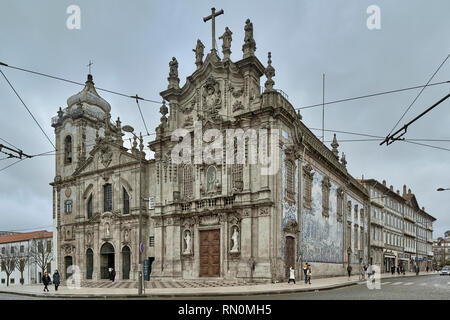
(409, 217)
(376, 221)
(215, 203)
(409, 233)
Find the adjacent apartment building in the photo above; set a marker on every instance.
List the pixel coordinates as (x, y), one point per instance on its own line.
(401, 233)
(441, 250)
(25, 256)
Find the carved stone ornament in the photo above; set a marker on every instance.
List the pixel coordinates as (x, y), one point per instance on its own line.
(212, 97)
(187, 242)
(106, 155)
(264, 211)
(291, 227)
(68, 192)
(237, 105)
(209, 220)
(89, 238)
(234, 245)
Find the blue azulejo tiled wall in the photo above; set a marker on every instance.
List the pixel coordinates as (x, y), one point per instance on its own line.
(322, 237)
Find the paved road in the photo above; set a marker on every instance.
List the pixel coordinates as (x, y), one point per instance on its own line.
(4, 296)
(410, 288)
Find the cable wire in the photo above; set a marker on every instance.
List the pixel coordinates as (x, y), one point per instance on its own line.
(27, 108)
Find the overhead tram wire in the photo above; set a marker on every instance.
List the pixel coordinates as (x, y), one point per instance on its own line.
(9, 143)
(159, 102)
(431, 78)
(10, 165)
(75, 82)
(371, 95)
(12, 87)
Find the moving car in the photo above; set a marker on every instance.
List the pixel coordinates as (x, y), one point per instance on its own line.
(445, 271)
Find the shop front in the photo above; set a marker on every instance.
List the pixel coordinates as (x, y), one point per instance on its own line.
(403, 260)
(389, 261)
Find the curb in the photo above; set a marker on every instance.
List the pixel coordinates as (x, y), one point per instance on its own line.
(200, 294)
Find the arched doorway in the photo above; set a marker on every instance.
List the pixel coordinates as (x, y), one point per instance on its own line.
(67, 263)
(289, 254)
(126, 263)
(89, 263)
(106, 260)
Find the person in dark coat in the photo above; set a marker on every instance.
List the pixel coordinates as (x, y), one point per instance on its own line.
(56, 279)
(112, 275)
(349, 271)
(46, 280)
(392, 269)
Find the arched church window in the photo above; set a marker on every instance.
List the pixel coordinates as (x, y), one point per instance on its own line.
(290, 181)
(68, 149)
(89, 207)
(126, 201)
(68, 206)
(211, 178)
(237, 170)
(187, 181)
(107, 196)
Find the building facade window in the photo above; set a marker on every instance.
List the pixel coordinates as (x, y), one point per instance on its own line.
(22, 249)
(68, 150)
(68, 206)
(89, 207)
(151, 241)
(187, 181)
(308, 175)
(107, 196)
(326, 185)
(126, 202)
(340, 203)
(49, 246)
(290, 181)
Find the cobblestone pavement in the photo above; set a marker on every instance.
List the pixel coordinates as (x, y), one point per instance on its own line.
(158, 284)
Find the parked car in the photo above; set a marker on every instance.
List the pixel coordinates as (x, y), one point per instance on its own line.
(445, 271)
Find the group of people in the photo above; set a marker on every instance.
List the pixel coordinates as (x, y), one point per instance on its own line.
(46, 280)
(306, 271)
(400, 270)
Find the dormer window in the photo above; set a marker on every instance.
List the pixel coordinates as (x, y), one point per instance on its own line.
(68, 150)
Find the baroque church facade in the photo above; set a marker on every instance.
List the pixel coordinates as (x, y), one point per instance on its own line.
(212, 218)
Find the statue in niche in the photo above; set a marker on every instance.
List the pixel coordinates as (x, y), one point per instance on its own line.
(126, 235)
(187, 240)
(211, 176)
(235, 238)
(107, 230)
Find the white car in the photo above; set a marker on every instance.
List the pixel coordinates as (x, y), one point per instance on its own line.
(445, 271)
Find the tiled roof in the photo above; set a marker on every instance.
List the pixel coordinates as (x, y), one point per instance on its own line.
(26, 236)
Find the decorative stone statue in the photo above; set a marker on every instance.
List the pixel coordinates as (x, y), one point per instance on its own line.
(173, 74)
(107, 230)
(249, 46)
(187, 240)
(235, 238)
(126, 235)
(199, 53)
(226, 45)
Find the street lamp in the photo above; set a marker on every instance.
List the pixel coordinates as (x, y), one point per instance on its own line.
(442, 189)
(130, 129)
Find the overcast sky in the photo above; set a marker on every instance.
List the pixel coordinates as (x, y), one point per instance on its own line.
(132, 42)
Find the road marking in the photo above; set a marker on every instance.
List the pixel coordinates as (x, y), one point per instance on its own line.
(409, 283)
(387, 282)
(397, 283)
(423, 284)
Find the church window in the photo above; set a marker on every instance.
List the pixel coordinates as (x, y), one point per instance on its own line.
(290, 182)
(107, 191)
(326, 185)
(340, 202)
(211, 179)
(308, 179)
(68, 150)
(237, 171)
(151, 241)
(126, 202)
(68, 206)
(187, 181)
(89, 207)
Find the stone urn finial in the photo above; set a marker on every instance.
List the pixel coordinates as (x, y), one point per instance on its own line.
(335, 146)
(269, 72)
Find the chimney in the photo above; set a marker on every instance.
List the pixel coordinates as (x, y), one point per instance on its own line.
(398, 192)
(404, 190)
(384, 183)
(391, 187)
(423, 208)
(409, 191)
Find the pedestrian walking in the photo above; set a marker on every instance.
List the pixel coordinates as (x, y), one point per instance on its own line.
(305, 270)
(398, 270)
(112, 275)
(349, 271)
(365, 271)
(392, 269)
(291, 275)
(56, 279)
(46, 280)
(428, 268)
(308, 274)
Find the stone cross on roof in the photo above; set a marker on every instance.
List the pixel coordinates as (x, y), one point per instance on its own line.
(89, 65)
(212, 17)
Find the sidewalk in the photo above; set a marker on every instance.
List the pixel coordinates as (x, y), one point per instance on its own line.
(205, 291)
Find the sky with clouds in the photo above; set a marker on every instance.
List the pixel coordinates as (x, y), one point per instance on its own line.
(131, 44)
